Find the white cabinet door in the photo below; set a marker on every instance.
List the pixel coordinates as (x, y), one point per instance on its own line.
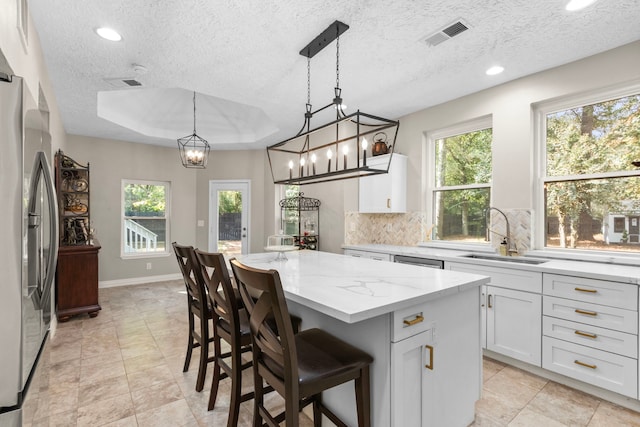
(435, 374)
(384, 193)
(408, 382)
(514, 324)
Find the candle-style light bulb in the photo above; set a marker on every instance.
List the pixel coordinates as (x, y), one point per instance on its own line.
(345, 150)
(313, 162)
(364, 151)
(329, 155)
(302, 162)
(290, 169)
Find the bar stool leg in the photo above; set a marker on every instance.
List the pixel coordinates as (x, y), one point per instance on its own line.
(236, 387)
(204, 352)
(216, 371)
(317, 413)
(187, 359)
(363, 398)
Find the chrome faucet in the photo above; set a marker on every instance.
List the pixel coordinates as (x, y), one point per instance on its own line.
(511, 246)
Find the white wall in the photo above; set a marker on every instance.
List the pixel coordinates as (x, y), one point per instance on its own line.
(510, 105)
(28, 62)
(112, 161)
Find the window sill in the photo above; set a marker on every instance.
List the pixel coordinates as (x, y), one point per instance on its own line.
(578, 255)
(145, 255)
(471, 247)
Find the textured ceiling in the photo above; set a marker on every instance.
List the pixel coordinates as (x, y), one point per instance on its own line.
(247, 53)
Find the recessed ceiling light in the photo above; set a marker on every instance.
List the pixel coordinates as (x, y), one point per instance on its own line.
(108, 34)
(494, 70)
(578, 4)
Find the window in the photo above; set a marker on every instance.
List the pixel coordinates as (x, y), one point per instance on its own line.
(590, 186)
(461, 190)
(145, 217)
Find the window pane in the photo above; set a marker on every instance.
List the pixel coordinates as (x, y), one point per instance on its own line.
(144, 200)
(145, 221)
(460, 214)
(602, 137)
(464, 159)
(599, 214)
(145, 235)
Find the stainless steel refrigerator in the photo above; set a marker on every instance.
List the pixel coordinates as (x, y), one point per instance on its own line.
(28, 243)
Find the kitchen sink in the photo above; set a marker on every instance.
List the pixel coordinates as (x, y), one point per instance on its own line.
(520, 260)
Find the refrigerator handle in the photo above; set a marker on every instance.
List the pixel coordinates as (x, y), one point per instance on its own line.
(41, 172)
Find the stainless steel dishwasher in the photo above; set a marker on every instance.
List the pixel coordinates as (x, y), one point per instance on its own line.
(422, 262)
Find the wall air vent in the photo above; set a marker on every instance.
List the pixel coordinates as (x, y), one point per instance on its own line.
(449, 31)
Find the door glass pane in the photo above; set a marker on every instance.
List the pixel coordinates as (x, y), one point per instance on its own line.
(230, 222)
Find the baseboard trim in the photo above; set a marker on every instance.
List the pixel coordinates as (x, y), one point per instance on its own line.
(138, 280)
(610, 396)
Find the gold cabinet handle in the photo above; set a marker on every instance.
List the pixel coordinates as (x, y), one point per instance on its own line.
(419, 318)
(586, 365)
(430, 365)
(389, 203)
(591, 291)
(586, 334)
(588, 313)
(489, 301)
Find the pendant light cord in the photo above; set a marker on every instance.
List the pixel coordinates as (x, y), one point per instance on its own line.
(337, 59)
(308, 81)
(194, 112)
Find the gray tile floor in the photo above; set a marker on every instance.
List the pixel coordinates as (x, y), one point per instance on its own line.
(124, 368)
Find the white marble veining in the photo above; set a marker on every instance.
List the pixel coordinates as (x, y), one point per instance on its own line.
(353, 289)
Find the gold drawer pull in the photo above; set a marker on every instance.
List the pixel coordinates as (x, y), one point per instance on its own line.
(588, 313)
(586, 334)
(591, 291)
(419, 318)
(430, 365)
(389, 203)
(586, 365)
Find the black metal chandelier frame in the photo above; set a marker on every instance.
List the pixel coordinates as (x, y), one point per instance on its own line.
(305, 153)
(194, 150)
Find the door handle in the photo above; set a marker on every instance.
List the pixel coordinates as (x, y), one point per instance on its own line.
(489, 301)
(389, 203)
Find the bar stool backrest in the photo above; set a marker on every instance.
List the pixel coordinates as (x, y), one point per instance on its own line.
(274, 351)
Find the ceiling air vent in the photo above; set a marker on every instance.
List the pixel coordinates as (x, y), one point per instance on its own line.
(123, 82)
(446, 33)
(132, 82)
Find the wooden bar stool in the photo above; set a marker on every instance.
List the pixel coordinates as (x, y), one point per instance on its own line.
(198, 306)
(298, 366)
(231, 324)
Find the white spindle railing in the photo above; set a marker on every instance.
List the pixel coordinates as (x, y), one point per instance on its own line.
(138, 238)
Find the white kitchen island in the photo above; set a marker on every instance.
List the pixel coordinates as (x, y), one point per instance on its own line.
(421, 325)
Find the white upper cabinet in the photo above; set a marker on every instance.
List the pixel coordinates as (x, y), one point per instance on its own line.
(385, 193)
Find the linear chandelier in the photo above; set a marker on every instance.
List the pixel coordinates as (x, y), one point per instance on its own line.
(194, 151)
(335, 150)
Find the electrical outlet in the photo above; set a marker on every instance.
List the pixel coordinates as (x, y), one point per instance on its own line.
(148, 266)
(352, 227)
(389, 227)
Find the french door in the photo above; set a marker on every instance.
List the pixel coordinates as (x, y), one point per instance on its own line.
(229, 207)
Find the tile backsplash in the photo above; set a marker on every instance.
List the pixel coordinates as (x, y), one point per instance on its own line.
(409, 229)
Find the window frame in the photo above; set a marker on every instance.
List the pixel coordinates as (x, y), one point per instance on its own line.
(477, 124)
(167, 218)
(540, 112)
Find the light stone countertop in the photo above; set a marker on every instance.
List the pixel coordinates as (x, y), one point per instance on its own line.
(590, 269)
(354, 289)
